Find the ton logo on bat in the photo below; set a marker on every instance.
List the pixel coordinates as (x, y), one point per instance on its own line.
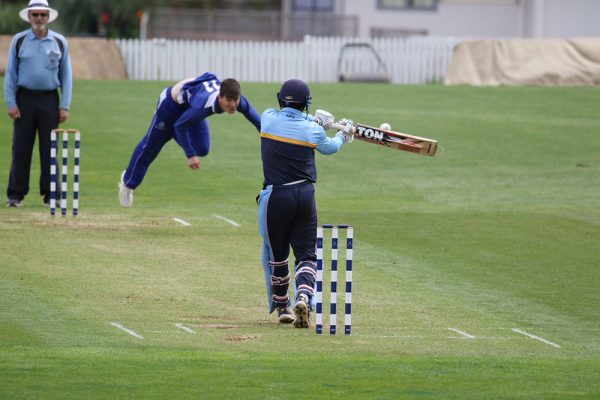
(369, 133)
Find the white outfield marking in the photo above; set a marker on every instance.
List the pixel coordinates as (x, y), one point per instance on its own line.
(182, 222)
(227, 220)
(535, 337)
(132, 333)
(185, 328)
(465, 334)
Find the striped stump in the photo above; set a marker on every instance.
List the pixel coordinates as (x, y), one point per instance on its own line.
(319, 283)
(333, 294)
(334, 278)
(76, 173)
(65, 166)
(54, 134)
(349, 255)
(53, 148)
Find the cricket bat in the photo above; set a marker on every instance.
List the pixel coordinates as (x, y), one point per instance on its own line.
(392, 139)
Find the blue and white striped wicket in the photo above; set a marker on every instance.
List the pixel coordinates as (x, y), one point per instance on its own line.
(64, 169)
(334, 277)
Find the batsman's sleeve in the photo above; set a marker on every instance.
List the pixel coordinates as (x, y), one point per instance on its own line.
(327, 145)
(311, 118)
(249, 112)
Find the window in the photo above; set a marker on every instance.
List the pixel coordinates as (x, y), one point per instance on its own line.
(407, 4)
(312, 5)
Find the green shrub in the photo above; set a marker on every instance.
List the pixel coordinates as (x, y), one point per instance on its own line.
(10, 23)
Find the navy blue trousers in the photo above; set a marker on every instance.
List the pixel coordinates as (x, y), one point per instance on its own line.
(287, 216)
(292, 221)
(39, 112)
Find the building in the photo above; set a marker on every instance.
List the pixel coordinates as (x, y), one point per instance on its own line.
(474, 18)
(294, 19)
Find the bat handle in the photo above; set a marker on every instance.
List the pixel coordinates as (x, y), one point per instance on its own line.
(340, 127)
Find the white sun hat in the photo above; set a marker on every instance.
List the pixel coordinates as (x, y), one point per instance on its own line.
(38, 5)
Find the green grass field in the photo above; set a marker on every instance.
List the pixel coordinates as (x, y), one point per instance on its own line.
(456, 257)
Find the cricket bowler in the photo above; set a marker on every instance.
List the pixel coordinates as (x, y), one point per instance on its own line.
(181, 115)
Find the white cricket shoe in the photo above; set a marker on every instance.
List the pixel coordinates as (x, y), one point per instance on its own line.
(302, 312)
(125, 194)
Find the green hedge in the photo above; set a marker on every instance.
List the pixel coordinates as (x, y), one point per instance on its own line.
(10, 23)
(81, 17)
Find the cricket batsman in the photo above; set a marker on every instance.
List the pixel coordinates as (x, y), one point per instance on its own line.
(287, 213)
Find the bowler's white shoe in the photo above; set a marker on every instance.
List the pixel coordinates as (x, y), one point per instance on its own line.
(125, 194)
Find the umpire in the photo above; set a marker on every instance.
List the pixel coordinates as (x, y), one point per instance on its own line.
(38, 64)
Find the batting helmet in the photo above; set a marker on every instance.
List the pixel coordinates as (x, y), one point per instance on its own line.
(294, 93)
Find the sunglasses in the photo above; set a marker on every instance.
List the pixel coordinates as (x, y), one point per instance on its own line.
(36, 15)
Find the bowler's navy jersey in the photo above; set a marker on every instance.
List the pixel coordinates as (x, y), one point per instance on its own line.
(288, 140)
(199, 100)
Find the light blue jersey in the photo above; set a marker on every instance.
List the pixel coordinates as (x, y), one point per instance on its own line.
(40, 65)
(288, 140)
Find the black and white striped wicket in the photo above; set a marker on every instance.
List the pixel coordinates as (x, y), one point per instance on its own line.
(64, 169)
(334, 269)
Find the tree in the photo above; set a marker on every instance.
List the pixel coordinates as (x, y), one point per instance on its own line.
(108, 18)
(111, 18)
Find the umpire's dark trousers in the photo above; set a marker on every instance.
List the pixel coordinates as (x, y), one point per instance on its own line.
(39, 112)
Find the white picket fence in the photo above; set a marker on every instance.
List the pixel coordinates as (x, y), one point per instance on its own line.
(407, 60)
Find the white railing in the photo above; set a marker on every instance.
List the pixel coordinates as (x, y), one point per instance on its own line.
(412, 60)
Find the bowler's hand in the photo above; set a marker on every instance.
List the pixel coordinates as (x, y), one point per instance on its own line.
(14, 113)
(63, 115)
(194, 163)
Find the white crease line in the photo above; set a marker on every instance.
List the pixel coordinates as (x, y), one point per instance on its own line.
(132, 333)
(465, 334)
(185, 328)
(182, 222)
(227, 220)
(535, 337)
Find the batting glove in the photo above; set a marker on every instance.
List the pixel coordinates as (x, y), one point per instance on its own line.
(324, 118)
(347, 133)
